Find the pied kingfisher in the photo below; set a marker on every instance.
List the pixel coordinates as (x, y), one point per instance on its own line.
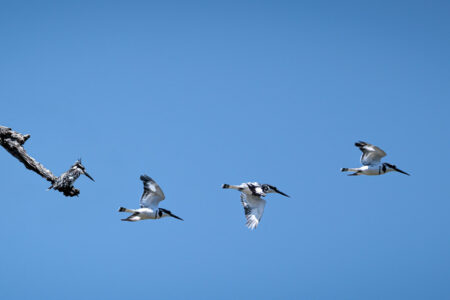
(370, 158)
(64, 183)
(251, 193)
(149, 203)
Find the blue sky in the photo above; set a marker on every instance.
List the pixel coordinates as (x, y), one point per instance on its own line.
(200, 93)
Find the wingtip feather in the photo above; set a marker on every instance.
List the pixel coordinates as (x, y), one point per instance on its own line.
(145, 177)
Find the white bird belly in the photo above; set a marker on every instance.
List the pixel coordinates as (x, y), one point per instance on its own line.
(146, 213)
(371, 170)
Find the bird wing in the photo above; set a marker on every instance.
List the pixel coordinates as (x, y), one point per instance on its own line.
(370, 154)
(152, 193)
(253, 209)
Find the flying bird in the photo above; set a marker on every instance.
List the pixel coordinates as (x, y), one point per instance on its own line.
(252, 201)
(149, 203)
(370, 159)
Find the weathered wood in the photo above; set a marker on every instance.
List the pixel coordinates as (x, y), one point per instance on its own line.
(13, 142)
(6, 132)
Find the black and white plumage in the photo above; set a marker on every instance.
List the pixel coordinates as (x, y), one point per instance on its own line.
(253, 209)
(371, 154)
(371, 161)
(254, 188)
(149, 202)
(252, 201)
(64, 183)
(13, 142)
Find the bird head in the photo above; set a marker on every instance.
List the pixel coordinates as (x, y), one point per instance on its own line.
(389, 168)
(80, 166)
(267, 188)
(167, 213)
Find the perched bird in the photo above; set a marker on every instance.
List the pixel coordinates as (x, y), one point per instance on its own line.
(149, 203)
(370, 158)
(252, 201)
(64, 183)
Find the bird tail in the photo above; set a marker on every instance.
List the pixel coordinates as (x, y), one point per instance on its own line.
(123, 209)
(230, 186)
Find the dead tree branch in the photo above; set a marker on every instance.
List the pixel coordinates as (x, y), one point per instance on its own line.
(13, 142)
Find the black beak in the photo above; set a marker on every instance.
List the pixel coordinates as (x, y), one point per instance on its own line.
(176, 217)
(89, 176)
(280, 192)
(398, 170)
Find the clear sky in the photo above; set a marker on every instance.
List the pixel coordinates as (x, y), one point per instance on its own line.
(201, 93)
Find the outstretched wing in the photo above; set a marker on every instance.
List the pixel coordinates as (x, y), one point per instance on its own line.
(253, 209)
(152, 193)
(370, 154)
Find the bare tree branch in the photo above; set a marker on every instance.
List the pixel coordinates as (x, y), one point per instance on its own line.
(13, 142)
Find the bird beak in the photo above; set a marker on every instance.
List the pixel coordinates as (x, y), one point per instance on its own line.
(398, 170)
(280, 192)
(89, 176)
(176, 217)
